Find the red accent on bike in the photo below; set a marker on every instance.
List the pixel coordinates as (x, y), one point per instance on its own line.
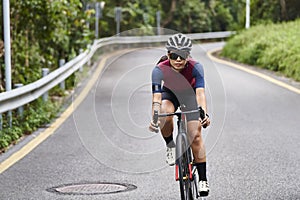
(176, 173)
(190, 172)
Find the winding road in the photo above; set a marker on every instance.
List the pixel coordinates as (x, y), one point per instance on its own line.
(253, 143)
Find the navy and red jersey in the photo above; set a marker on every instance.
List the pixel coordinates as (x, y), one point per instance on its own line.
(192, 76)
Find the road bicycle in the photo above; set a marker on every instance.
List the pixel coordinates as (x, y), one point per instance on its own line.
(185, 172)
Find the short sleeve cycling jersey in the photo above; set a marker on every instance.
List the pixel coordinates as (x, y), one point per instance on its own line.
(191, 76)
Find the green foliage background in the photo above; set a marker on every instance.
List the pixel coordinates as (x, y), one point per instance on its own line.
(42, 32)
(271, 46)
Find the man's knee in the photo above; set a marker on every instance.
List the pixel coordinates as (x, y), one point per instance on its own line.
(196, 138)
(166, 123)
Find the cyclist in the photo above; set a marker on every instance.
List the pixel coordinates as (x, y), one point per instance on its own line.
(178, 80)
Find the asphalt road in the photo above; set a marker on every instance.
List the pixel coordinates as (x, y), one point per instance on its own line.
(252, 145)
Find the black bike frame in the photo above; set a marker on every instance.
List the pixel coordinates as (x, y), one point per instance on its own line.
(184, 164)
(183, 167)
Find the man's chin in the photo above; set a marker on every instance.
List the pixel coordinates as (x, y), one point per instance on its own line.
(178, 67)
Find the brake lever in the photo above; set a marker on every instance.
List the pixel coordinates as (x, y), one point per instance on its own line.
(155, 117)
(202, 115)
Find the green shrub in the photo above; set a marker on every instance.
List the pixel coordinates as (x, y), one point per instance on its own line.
(9, 135)
(272, 46)
(36, 114)
(5, 140)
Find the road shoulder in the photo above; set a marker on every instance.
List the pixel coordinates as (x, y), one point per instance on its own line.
(268, 75)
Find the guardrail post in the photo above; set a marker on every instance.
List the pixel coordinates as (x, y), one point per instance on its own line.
(118, 18)
(45, 72)
(62, 84)
(20, 109)
(81, 67)
(89, 62)
(9, 115)
(158, 18)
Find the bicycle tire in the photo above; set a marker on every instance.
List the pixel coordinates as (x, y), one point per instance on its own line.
(194, 183)
(183, 161)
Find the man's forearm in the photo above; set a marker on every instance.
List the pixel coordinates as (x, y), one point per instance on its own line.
(156, 102)
(201, 98)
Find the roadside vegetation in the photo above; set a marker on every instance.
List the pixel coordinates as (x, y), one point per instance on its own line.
(36, 115)
(271, 46)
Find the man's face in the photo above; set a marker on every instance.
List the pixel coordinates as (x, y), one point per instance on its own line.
(178, 59)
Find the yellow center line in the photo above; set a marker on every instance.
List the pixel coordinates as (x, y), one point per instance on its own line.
(49, 131)
(261, 75)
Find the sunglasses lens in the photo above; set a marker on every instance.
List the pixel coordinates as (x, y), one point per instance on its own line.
(174, 56)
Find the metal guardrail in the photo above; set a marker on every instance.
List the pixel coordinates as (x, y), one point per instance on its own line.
(15, 98)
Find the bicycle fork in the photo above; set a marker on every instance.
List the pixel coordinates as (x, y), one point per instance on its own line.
(181, 150)
(189, 175)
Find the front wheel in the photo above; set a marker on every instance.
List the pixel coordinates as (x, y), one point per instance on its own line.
(194, 183)
(182, 166)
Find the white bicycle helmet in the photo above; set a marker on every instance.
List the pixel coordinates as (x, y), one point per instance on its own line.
(179, 42)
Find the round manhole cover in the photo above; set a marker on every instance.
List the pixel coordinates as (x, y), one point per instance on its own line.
(92, 188)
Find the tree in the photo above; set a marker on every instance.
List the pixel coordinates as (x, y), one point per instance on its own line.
(274, 10)
(42, 32)
(292, 9)
(185, 16)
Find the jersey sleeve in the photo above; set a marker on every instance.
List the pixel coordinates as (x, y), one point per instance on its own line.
(198, 73)
(157, 77)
